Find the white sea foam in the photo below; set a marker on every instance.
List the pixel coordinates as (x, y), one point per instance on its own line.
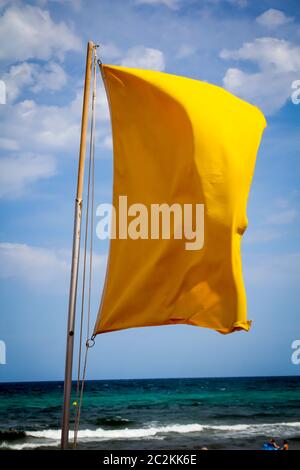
(232, 427)
(90, 434)
(51, 437)
(27, 445)
(244, 427)
(257, 429)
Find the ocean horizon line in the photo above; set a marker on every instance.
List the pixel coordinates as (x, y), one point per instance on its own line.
(154, 378)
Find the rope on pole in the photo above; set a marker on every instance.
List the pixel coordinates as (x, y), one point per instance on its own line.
(89, 229)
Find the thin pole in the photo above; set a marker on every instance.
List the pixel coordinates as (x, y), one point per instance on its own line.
(75, 253)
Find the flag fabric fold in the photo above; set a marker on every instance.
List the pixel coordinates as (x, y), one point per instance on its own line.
(179, 141)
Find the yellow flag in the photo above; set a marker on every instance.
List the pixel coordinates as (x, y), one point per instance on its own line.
(178, 141)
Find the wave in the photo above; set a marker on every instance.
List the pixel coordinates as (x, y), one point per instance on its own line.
(51, 437)
(99, 433)
(255, 427)
(27, 445)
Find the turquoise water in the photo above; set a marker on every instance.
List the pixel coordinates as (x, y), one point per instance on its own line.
(237, 413)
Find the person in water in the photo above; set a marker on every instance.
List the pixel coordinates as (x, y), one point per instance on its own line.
(274, 444)
(285, 445)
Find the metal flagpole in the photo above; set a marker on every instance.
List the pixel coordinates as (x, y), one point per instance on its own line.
(75, 253)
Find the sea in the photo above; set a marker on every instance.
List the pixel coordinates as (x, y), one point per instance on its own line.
(215, 413)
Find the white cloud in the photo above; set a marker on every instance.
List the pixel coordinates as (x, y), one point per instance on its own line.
(18, 171)
(28, 32)
(265, 90)
(109, 51)
(172, 4)
(268, 53)
(262, 235)
(32, 264)
(239, 3)
(138, 56)
(103, 109)
(44, 128)
(272, 19)
(40, 131)
(18, 77)
(283, 217)
(8, 144)
(275, 221)
(107, 142)
(270, 88)
(185, 50)
(76, 4)
(50, 76)
(274, 270)
(42, 267)
(144, 58)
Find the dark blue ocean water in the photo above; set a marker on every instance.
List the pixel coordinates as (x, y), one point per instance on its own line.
(229, 413)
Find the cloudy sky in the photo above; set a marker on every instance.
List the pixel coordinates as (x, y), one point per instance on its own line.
(250, 48)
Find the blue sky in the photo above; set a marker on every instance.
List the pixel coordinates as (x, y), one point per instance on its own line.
(252, 49)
